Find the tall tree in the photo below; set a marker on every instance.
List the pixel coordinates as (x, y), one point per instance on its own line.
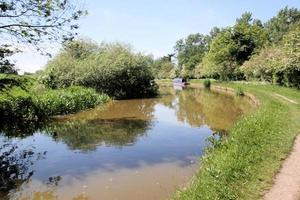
(282, 23)
(190, 51)
(230, 48)
(249, 36)
(35, 22)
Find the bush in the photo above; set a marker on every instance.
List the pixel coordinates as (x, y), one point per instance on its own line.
(17, 104)
(9, 81)
(111, 68)
(207, 83)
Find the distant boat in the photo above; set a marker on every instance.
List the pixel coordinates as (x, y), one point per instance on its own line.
(179, 82)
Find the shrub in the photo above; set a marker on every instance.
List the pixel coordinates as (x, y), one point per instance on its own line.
(111, 68)
(207, 83)
(16, 103)
(9, 81)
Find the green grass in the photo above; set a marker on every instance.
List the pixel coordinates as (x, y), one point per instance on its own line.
(242, 166)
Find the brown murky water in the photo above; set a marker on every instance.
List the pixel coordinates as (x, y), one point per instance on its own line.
(131, 149)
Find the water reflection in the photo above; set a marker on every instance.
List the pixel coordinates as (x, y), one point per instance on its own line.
(144, 143)
(204, 107)
(16, 165)
(87, 135)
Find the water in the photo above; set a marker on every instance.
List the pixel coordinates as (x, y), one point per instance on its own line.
(131, 149)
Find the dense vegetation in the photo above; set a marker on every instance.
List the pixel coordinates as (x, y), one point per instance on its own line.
(109, 68)
(248, 50)
(277, 63)
(22, 98)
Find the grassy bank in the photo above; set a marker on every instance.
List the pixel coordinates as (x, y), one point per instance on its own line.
(23, 98)
(243, 165)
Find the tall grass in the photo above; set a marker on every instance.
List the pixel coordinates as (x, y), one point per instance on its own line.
(19, 101)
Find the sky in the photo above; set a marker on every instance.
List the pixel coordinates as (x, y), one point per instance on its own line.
(154, 26)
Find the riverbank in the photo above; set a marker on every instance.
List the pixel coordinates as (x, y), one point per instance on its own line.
(24, 98)
(243, 165)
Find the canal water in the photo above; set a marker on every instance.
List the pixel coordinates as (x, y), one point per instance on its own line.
(130, 149)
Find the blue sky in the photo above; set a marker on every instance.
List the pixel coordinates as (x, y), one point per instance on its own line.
(153, 26)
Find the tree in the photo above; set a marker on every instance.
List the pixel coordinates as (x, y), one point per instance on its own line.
(220, 62)
(163, 67)
(249, 36)
(80, 49)
(113, 69)
(34, 22)
(279, 64)
(6, 66)
(190, 52)
(282, 23)
(231, 47)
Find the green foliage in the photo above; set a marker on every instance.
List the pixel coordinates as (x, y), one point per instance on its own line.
(20, 99)
(9, 81)
(109, 68)
(248, 50)
(207, 83)
(218, 62)
(231, 48)
(17, 104)
(279, 25)
(278, 64)
(190, 52)
(80, 49)
(6, 66)
(69, 100)
(163, 68)
(33, 22)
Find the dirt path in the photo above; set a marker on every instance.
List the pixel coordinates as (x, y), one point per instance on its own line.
(285, 98)
(287, 181)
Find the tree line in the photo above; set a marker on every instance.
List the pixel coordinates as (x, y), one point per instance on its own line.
(248, 50)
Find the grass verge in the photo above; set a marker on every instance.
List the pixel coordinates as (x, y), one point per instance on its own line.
(242, 166)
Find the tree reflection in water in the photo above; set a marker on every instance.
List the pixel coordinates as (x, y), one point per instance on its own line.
(87, 135)
(16, 165)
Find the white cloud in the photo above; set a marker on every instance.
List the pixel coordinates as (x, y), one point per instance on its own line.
(29, 60)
